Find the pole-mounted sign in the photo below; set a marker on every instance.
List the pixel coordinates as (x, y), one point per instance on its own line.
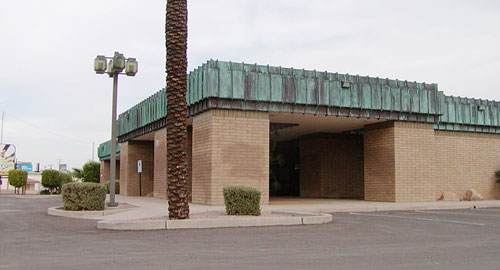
(139, 170)
(139, 166)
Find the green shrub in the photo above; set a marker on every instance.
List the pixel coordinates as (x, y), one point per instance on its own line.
(117, 186)
(242, 201)
(83, 196)
(91, 172)
(51, 179)
(65, 178)
(17, 178)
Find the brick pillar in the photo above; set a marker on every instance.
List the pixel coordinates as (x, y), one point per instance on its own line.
(130, 152)
(190, 162)
(160, 163)
(104, 171)
(229, 148)
(399, 162)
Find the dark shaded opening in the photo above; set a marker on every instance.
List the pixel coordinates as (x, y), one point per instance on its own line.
(284, 175)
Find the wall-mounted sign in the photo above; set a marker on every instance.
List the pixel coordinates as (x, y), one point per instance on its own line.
(7, 158)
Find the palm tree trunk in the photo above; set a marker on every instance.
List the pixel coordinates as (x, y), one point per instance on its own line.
(176, 43)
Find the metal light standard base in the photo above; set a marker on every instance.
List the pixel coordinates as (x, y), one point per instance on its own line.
(112, 153)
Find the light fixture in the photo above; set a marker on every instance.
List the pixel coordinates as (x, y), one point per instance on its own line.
(131, 67)
(346, 84)
(100, 64)
(111, 72)
(118, 62)
(481, 107)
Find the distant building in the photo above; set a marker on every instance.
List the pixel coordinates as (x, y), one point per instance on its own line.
(33, 184)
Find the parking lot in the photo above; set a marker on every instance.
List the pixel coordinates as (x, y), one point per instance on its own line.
(431, 239)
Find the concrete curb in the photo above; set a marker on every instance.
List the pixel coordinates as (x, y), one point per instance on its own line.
(295, 219)
(441, 205)
(57, 211)
(131, 225)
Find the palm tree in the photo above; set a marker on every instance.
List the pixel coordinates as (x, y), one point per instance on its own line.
(176, 43)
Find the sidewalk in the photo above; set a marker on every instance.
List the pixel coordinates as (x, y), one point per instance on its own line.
(343, 205)
(150, 207)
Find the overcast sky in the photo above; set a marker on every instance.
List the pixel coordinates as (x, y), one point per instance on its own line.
(56, 106)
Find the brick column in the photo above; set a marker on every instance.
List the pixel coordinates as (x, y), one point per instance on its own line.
(229, 148)
(130, 152)
(160, 163)
(399, 162)
(104, 171)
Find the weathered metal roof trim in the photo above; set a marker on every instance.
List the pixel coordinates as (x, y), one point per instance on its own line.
(266, 84)
(104, 149)
(467, 114)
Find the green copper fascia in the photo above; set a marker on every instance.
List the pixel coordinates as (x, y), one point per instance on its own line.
(104, 149)
(468, 114)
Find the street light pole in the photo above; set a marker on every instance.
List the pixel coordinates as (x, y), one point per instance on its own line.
(116, 65)
(112, 153)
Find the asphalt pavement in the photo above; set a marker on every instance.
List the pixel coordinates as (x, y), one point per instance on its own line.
(428, 239)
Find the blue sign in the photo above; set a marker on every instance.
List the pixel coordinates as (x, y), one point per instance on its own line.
(25, 167)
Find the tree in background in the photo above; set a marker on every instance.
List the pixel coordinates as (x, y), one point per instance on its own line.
(65, 178)
(77, 173)
(51, 180)
(176, 67)
(91, 172)
(17, 179)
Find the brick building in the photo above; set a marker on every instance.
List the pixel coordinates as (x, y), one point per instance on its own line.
(290, 132)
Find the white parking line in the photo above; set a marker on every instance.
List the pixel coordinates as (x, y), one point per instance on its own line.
(487, 210)
(457, 213)
(421, 219)
(445, 212)
(6, 210)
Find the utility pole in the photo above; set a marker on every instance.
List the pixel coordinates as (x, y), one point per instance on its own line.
(59, 164)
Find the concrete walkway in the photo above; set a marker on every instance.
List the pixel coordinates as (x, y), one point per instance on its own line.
(342, 205)
(144, 213)
(150, 207)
